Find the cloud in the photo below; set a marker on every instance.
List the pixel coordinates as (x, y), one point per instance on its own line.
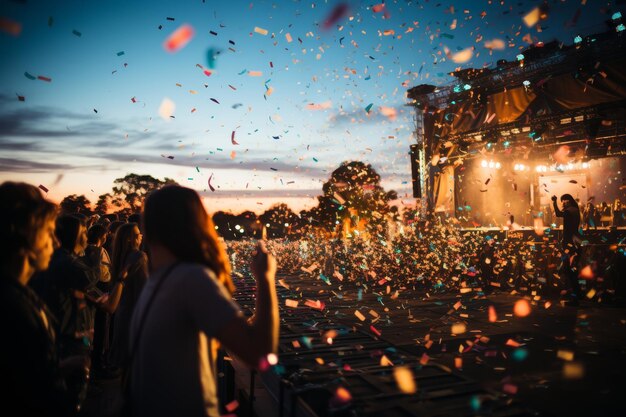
(23, 166)
(377, 115)
(265, 193)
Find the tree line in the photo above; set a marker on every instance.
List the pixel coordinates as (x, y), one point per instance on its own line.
(352, 195)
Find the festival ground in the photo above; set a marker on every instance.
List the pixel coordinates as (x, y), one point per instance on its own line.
(557, 361)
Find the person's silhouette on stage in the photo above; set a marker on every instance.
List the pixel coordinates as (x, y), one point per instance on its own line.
(571, 236)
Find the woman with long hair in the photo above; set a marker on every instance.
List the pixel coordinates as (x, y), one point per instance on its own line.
(129, 268)
(29, 364)
(186, 308)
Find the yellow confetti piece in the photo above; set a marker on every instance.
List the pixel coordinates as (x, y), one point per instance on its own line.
(458, 328)
(591, 293)
(566, 355)
(573, 370)
(288, 37)
(532, 18)
(384, 361)
(320, 361)
(458, 363)
(260, 31)
(404, 379)
(255, 73)
(359, 315)
(291, 303)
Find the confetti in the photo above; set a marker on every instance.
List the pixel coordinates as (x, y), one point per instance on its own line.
(209, 182)
(166, 109)
(44, 189)
(11, 27)
(260, 31)
(405, 379)
(521, 308)
(179, 38)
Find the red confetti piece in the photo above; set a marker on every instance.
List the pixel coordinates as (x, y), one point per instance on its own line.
(377, 8)
(232, 139)
(208, 72)
(10, 27)
(179, 38)
(46, 79)
(44, 189)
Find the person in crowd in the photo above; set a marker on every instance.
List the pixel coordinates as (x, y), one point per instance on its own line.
(67, 287)
(617, 214)
(111, 237)
(186, 308)
(569, 242)
(99, 257)
(130, 269)
(33, 383)
(605, 214)
(589, 216)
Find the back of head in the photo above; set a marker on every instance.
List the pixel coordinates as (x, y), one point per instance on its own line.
(67, 231)
(571, 200)
(23, 212)
(121, 247)
(175, 218)
(95, 233)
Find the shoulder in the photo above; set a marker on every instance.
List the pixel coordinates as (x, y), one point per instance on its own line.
(137, 256)
(197, 277)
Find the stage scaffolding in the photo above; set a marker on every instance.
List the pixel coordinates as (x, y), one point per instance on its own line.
(551, 96)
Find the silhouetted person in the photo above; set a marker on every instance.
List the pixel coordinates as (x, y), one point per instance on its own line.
(569, 242)
(32, 381)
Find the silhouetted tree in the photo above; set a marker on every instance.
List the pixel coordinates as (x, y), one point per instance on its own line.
(134, 188)
(107, 202)
(353, 192)
(76, 204)
(279, 220)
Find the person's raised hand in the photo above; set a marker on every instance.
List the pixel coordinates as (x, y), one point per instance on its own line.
(263, 264)
(553, 198)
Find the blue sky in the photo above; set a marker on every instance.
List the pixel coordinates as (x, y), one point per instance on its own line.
(81, 130)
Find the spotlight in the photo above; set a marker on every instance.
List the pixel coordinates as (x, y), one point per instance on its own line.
(498, 165)
(483, 163)
(491, 164)
(585, 165)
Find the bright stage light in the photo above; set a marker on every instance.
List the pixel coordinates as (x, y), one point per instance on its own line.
(585, 165)
(491, 164)
(498, 166)
(483, 164)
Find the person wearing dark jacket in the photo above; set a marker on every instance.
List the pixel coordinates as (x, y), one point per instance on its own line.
(67, 287)
(569, 242)
(32, 380)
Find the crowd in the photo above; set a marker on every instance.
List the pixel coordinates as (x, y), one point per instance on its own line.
(603, 215)
(90, 294)
(85, 295)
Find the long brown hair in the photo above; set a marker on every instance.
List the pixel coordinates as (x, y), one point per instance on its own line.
(23, 212)
(175, 218)
(121, 248)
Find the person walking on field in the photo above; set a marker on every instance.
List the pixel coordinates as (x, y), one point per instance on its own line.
(186, 310)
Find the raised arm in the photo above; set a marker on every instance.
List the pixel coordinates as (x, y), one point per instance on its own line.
(251, 341)
(558, 212)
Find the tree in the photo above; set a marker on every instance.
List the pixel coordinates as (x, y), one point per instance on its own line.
(134, 188)
(107, 202)
(76, 204)
(353, 192)
(279, 220)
